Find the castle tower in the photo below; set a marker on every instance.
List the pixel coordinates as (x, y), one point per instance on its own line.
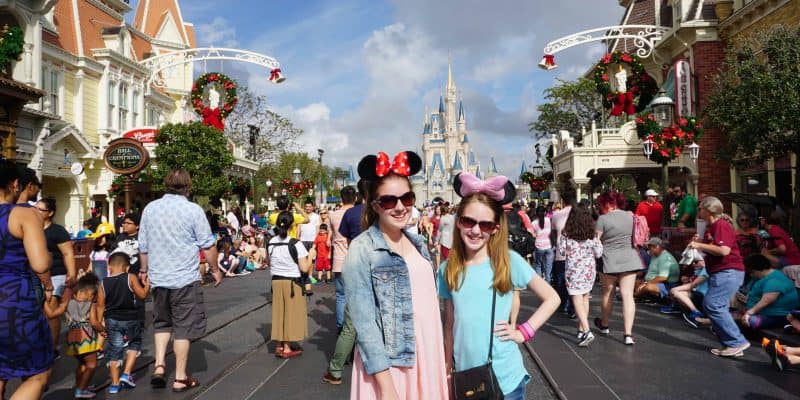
(450, 102)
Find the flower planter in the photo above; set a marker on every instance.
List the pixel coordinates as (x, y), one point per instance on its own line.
(723, 9)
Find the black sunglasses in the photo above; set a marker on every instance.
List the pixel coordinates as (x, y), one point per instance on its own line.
(469, 223)
(388, 202)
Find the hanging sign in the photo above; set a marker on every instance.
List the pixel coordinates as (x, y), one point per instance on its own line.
(683, 88)
(125, 156)
(144, 135)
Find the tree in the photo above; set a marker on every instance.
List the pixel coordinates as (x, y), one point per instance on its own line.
(570, 105)
(199, 149)
(756, 97)
(277, 133)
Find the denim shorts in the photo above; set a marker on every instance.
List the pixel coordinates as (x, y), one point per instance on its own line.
(122, 334)
(59, 284)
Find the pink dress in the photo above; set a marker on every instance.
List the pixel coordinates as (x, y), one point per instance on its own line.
(427, 380)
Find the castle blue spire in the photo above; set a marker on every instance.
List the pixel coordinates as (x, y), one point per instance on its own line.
(457, 163)
(441, 104)
(523, 169)
(460, 110)
(492, 166)
(465, 139)
(351, 176)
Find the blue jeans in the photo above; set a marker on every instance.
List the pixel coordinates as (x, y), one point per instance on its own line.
(340, 300)
(721, 287)
(517, 394)
(117, 332)
(560, 284)
(543, 263)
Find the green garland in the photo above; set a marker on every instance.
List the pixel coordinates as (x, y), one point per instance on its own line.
(639, 82)
(668, 143)
(537, 183)
(198, 89)
(12, 41)
(119, 181)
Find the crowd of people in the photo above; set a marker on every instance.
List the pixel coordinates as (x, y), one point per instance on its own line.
(389, 262)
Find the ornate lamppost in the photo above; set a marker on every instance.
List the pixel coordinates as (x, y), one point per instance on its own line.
(321, 175)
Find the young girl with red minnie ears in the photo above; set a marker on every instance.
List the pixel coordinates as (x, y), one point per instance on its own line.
(479, 266)
(390, 290)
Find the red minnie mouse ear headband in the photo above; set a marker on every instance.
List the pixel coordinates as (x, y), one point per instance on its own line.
(498, 188)
(405, 163)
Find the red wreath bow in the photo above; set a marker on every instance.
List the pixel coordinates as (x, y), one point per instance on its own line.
(211, 117)
(399, 166)
(274, 74)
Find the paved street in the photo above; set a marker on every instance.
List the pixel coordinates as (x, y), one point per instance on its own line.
(235, 361)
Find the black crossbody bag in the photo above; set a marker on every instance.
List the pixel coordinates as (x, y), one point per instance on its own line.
(479, 383)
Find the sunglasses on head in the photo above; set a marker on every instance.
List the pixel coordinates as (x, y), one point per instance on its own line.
(469, 223)
(388, 202)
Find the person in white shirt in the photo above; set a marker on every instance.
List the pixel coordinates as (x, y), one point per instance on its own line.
(413, 222)
(233, 221)
(308, 231)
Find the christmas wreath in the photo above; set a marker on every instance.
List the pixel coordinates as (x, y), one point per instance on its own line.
(538, 184)
(668, 142)
(639, 84)
(297, 189)
(214, 116)
(117, 184)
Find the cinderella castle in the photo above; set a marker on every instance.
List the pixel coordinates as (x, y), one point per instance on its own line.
(446, 150)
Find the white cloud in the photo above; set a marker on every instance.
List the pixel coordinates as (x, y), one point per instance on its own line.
(220, 32)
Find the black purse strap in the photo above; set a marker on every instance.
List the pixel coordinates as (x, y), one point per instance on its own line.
(491, 324)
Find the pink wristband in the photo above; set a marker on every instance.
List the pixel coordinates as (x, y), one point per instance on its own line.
(527, 331)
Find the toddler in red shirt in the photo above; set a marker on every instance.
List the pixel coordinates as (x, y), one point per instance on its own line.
(322, 246)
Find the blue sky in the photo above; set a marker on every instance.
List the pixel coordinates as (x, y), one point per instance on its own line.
(361, 73)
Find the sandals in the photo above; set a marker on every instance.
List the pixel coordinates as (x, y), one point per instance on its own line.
(157, 381)
(188, 383)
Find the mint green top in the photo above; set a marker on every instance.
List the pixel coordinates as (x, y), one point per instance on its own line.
(665, 266)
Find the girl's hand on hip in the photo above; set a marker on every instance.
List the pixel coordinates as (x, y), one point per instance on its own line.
(505, 332)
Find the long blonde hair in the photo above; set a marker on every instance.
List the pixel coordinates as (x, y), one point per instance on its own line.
(497, 247)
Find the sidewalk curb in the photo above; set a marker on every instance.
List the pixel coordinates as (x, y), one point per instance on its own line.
(545, 372)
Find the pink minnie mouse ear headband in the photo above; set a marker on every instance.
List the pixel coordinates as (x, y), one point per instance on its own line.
(405, 163)
(498, 188)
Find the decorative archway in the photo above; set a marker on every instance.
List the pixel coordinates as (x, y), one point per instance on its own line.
(164, 61)
(644, 39)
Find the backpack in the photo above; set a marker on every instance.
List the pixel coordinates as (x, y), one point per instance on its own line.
(293, 253)
(641, 232)
(519, 239)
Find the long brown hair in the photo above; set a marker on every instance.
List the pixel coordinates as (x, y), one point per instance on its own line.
(368, 216)
(497, 248)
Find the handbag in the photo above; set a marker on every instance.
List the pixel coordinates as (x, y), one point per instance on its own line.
(479, 383)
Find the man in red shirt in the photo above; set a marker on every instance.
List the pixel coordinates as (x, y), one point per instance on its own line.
(651, 209)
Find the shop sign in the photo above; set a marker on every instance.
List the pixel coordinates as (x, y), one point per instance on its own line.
(125, 156)
(683, 88)
(144, 135)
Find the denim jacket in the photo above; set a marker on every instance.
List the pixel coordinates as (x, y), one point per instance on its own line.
(378, 293)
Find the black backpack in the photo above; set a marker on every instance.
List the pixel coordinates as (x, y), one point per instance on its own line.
(293, 253)
(519, 239)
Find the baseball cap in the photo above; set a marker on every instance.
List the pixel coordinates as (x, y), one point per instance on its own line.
(103, 229)
(651, 192)
(655, 241)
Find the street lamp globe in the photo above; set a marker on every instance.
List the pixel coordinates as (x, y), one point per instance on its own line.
(310, 192)
(663, 109)
(269, 184)
(296, 175)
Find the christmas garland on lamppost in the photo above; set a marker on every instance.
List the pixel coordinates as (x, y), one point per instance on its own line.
(639, 84)
(297, 189)
(214, 117)
(538, 184)
(668, 142)
(240, 186)
(117, 184)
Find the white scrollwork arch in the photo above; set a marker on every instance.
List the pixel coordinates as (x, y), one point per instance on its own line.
(644, 38)
(162, 62)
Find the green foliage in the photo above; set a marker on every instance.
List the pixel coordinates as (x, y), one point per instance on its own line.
(569, 105)
(756, 96)
(11, 45)
(277, 134)
(277, 172)
(201, 150)
(622, 183)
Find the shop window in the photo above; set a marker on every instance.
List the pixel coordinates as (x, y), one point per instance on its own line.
(123, 107)
(755, 183)
(135, 108)
(112, 92)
